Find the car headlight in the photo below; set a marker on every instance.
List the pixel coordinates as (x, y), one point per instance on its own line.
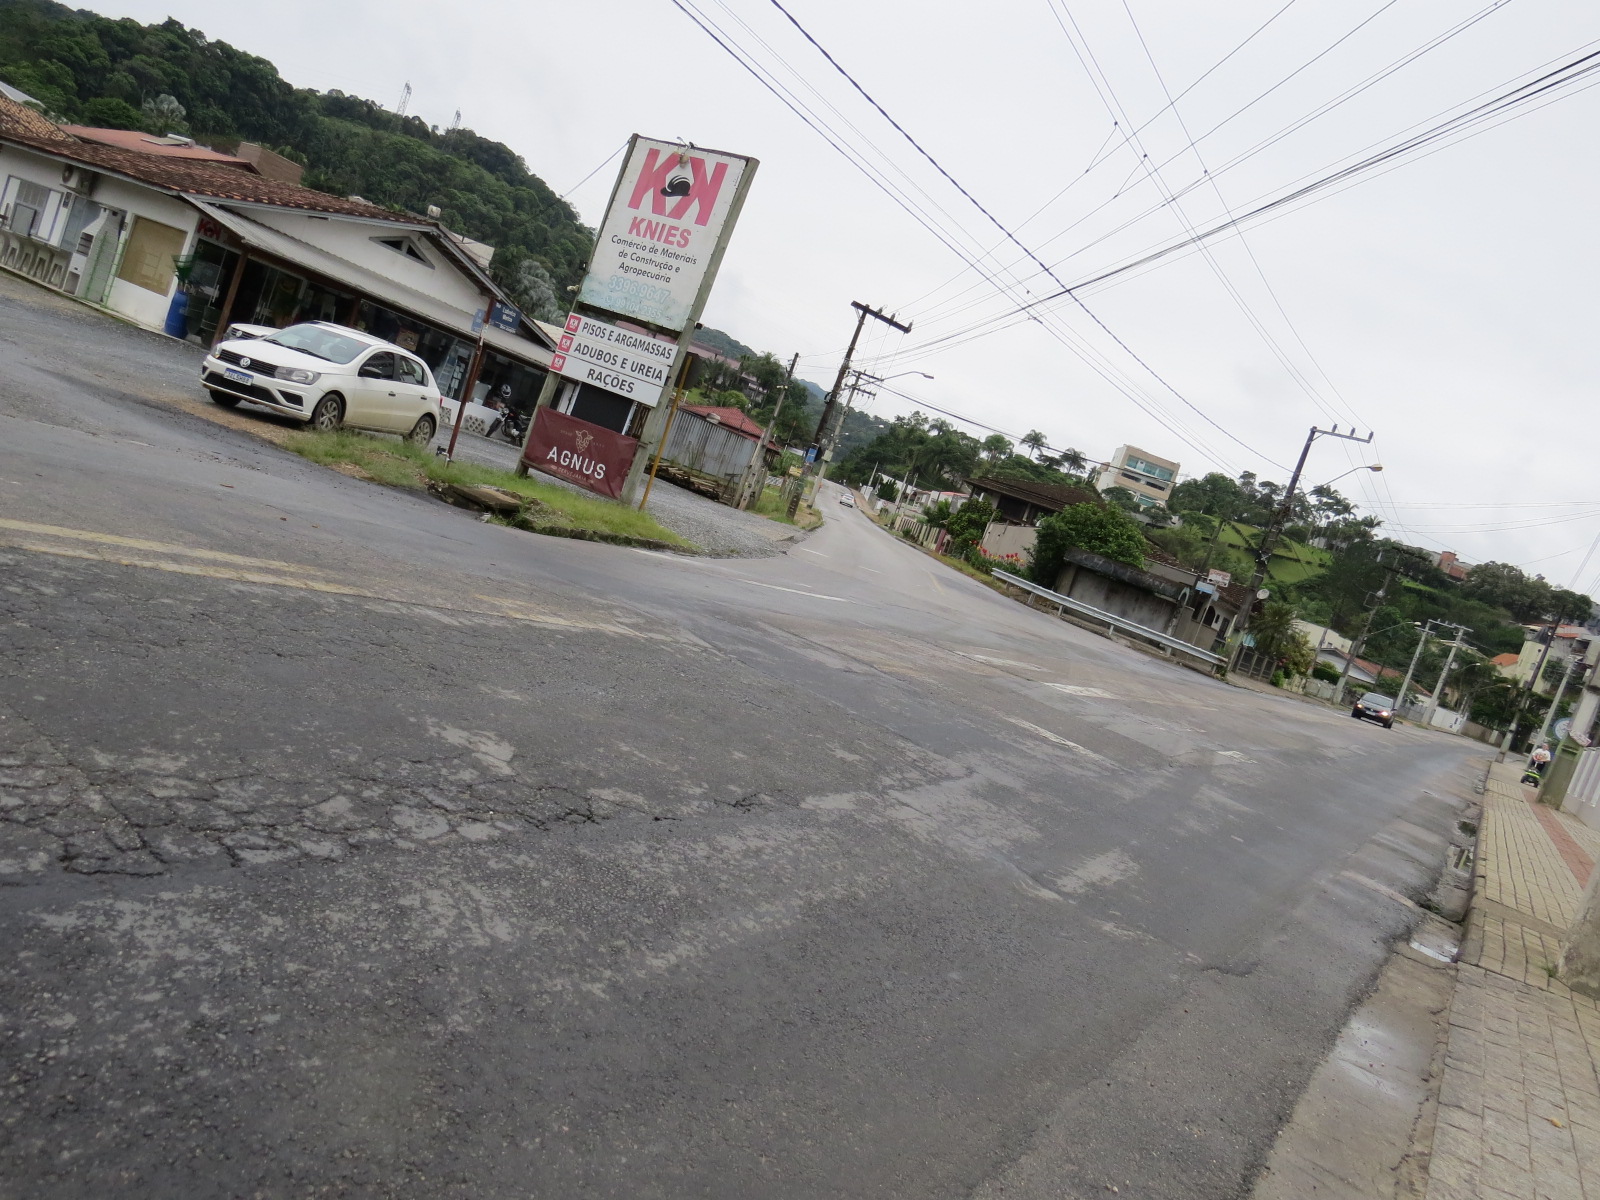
(297, 375)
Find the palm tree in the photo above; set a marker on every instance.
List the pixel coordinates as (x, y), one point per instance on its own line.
(996, 446)
(1072, 461)
(1035, 441)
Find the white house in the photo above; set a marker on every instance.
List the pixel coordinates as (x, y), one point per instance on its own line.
(188, 246)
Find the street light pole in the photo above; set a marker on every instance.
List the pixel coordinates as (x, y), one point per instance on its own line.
(1433, 701)
(1269, 536)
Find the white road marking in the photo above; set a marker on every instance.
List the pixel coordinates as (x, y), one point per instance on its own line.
(1379, 888)
(818, 553)
(997, 662)
(796, 591)
(868, 570)
(1073, 689)
(1239, 754)
(1060, 741)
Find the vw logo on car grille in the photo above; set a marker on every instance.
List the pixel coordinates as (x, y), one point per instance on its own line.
(244, 362)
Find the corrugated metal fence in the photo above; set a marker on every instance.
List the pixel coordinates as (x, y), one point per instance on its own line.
(707, 448)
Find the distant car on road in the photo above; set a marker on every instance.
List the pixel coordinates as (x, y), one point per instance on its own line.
(327, 376)
(1374, 707)
(846, 499)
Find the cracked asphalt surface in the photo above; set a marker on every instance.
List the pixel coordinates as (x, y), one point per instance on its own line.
(351, 847)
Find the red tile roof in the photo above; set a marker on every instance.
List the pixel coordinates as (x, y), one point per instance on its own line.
(21, 126)
(735, 419)
(1504, 660)
(147, 143)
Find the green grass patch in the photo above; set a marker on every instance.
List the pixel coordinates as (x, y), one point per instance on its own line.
(770, 505)
(400, 464)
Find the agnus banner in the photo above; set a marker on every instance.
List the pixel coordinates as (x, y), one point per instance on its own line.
(668, 216)
(619, 360)
(587, 455)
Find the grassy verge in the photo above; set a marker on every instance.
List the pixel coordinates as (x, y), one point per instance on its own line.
(770, 505)
(400, 464)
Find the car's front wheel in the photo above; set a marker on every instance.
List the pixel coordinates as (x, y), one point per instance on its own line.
(328, 415)
(226, 399)
(422, 432)
(1389, 724)
(1356, 713)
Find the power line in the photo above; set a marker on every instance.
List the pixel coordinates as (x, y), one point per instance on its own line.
(1011, 237)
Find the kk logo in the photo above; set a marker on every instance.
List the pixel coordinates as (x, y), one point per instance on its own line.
(681, 178)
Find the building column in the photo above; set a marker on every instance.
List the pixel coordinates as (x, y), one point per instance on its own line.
(225, 313)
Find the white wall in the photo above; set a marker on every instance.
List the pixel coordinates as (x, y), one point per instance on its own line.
(353, 242)
(136, 303)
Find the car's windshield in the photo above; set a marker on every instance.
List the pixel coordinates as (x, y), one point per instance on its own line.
(318, 342)
(1374, 698)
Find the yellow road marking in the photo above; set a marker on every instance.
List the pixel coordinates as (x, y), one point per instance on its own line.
(112, 539)
(937, 585)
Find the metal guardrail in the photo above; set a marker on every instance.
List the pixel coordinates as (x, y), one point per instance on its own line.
(1112, 621)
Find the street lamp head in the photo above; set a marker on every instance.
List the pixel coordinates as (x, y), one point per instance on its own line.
(1375, 466)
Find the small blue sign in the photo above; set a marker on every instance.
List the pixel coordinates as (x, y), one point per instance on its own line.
(504, 316)
(811, 456)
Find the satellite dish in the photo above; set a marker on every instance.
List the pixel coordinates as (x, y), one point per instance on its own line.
(1263, 594)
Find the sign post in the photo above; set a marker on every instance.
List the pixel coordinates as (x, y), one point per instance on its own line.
(655, 259)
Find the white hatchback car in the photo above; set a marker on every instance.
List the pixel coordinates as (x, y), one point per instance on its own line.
(328, 375)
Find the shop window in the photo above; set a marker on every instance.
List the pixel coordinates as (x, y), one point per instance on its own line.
(150, 260)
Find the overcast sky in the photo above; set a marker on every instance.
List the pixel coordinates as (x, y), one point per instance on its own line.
(1445, 303)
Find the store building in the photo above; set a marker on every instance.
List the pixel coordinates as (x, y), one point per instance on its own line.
(190, 244)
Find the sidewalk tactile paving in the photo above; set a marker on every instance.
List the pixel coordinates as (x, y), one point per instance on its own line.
(1519, 1102)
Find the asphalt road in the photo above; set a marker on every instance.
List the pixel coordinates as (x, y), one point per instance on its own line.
(354, 847)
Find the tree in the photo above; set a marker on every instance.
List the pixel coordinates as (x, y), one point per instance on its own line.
(1034, 441)
(1214, 495)
(937, 515)
(995, 447)
(1072, 461)
(163, 114)
(1108, 532)
(1121, 497)
(967, 525)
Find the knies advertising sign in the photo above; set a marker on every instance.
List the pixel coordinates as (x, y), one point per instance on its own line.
(630, 364)
(661, 232)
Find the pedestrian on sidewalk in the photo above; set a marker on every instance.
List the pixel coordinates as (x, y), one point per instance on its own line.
(1539, 760)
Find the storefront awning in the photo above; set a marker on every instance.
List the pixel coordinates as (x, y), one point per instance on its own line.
(368, 284)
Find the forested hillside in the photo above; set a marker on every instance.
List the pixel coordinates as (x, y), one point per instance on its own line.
(96, 71)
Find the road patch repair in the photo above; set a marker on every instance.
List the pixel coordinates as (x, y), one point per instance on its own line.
(64, 542)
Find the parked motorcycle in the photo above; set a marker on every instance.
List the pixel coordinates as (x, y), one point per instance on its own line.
(513, 426)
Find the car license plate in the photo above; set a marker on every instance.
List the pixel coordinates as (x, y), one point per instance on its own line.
(238, 376)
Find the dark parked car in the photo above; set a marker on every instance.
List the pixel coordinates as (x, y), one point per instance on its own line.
(1375, 708)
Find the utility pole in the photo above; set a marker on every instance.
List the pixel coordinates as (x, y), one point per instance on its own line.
(1366, 627)
(1449, 661)
(1270, 536)
(862, 313)
(1405, 684)
(751, 486)
(1527, 690)
(1550, 713)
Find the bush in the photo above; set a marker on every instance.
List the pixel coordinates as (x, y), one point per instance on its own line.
(967, 524)
(1326, 672)
(1108, 532)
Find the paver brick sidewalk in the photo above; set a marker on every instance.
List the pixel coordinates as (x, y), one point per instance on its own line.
(1519, 1104)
